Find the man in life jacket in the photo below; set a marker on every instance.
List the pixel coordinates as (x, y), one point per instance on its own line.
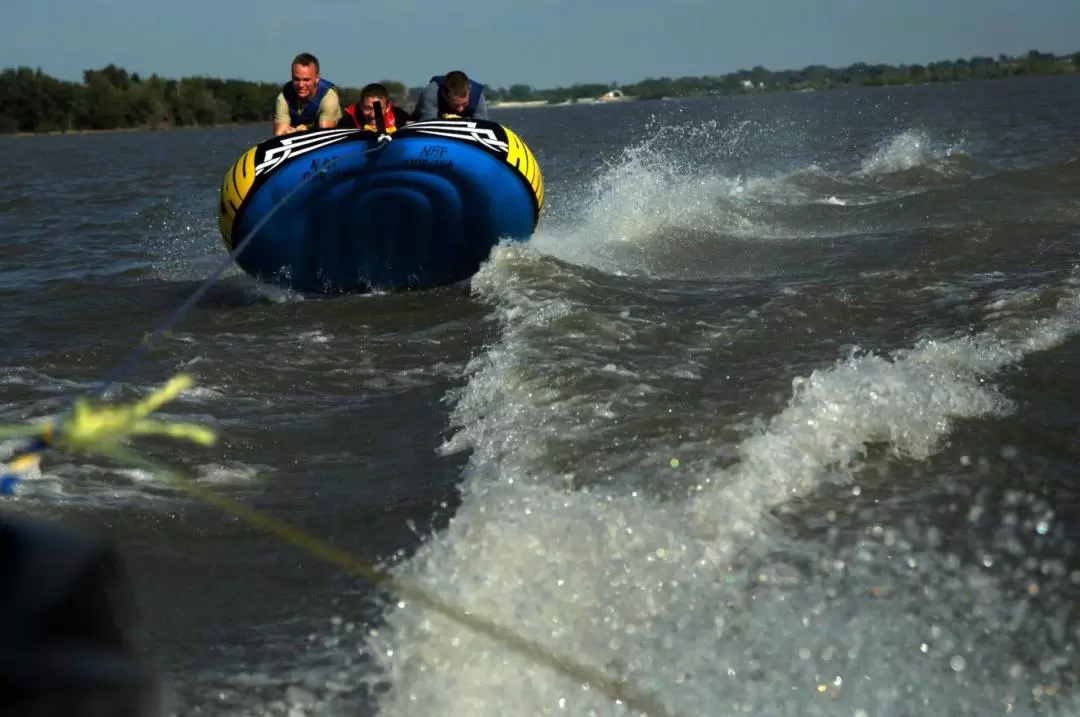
(451, 95)
(307, 101)
(362, 114)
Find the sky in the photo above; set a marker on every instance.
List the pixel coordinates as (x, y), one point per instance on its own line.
(543, 43)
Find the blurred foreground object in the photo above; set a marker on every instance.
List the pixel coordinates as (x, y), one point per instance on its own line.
(67, 626)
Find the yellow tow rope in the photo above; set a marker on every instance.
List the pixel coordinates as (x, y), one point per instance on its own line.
(94, 428)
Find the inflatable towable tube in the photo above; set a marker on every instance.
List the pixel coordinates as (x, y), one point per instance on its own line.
(419, 208)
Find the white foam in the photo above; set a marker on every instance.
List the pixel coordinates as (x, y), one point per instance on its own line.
(675, 597)
(910, 149)
(669, 204)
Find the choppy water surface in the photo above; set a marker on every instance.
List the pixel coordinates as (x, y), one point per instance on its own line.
(777, 414)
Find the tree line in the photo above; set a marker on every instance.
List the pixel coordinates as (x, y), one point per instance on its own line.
(812, 77)
(113, 98)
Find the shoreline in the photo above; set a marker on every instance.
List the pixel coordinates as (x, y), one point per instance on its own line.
(511, 105)
(116, 130)
(585, 101)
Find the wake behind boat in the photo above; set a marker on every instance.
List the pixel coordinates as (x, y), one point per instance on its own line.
(353, 210)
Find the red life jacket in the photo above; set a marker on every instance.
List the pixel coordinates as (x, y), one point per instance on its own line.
(358, 116)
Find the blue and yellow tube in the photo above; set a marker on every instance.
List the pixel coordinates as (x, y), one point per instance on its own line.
(420, 208)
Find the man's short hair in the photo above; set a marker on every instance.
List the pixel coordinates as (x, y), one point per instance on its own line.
(457, 84)
(375, 90)
(306, 59)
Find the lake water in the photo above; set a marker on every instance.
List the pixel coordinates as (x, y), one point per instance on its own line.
(775, 415)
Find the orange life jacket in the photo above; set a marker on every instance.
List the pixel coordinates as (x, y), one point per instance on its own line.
(358, 116)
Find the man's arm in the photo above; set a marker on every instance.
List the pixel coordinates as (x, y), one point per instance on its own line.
(281, 117)
(481, 108)
(330, 109)
(427, 106)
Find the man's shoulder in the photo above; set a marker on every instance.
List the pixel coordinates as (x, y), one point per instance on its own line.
(330, 107)
(428, 94)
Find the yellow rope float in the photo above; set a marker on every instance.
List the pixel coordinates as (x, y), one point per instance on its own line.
(99, 429)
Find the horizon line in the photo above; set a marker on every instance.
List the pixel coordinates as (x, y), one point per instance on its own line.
(998, 58)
